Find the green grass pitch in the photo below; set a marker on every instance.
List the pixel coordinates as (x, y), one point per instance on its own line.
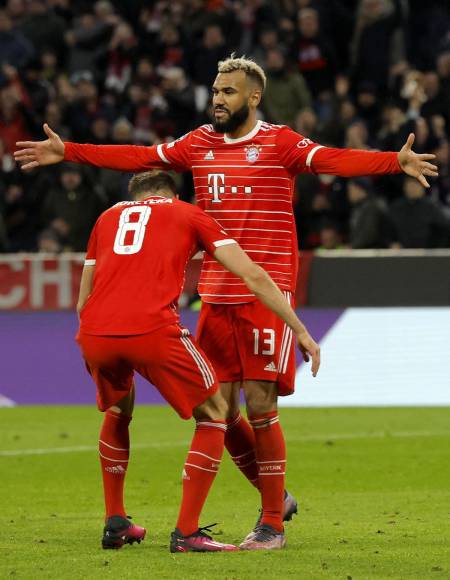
(373, 484)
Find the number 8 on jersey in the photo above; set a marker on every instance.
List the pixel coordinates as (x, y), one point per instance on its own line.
(137, 227)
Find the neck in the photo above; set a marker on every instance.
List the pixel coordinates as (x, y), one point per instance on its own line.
(142, 196)
(244, 128)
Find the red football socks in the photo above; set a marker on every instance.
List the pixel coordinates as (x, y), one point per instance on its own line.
(240, 443)
(199, 472)
(271, 460)
(114, 450)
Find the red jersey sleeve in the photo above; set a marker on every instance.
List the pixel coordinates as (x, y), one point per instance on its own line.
(171, 156)
(301, 155)
(295, 151)
(91, 254)
(210, 235)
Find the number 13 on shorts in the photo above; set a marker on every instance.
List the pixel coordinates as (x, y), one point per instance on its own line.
(264, 341)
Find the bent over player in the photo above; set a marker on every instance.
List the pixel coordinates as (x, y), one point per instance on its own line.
(244, 176)
(132, 278)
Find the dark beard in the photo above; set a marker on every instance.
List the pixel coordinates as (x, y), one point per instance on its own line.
(233, 122)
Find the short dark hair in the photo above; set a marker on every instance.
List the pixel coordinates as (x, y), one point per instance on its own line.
(151, 182)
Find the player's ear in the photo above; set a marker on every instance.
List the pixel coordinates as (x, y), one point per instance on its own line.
(255, 97)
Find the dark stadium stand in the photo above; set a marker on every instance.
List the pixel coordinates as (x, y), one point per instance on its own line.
(139, 72)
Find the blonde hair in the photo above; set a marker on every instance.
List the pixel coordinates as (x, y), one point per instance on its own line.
(247, 65)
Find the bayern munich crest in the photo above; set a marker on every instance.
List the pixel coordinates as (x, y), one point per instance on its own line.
(252, 153)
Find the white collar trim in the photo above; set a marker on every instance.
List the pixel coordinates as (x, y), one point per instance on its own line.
(250, 135)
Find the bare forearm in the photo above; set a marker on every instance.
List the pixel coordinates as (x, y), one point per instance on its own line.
(86, 284)
(265, 289)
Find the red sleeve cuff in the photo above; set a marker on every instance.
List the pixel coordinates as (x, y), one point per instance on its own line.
(69, 152)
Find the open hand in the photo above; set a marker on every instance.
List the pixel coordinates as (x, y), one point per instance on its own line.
(31, 154)
(416, 164)
(309, 348)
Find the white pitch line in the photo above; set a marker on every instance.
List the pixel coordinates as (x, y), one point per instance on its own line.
(81, 448)
(303, 438)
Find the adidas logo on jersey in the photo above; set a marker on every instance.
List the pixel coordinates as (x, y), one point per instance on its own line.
(270, 367)
(209, 156)
(185, 475)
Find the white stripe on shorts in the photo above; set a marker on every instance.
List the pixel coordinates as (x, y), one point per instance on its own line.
(199, 360)
(286, 332)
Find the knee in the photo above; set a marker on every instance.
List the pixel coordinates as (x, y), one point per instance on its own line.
(260, 402)
(215, 408)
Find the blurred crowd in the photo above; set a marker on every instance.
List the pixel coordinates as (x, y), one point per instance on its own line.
(346, 73)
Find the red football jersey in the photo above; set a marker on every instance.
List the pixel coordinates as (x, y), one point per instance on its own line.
(247, 185)
(140, 251)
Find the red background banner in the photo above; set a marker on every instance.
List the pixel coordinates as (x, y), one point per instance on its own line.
(41, 282)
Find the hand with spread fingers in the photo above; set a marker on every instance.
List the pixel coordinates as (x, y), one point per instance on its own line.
(309, 348)
(32, 154)
(416, 164)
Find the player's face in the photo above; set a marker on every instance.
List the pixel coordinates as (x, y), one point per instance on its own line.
(232, 99)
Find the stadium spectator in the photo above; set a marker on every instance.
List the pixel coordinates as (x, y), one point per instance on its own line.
(22, 199)
(43, 28)
(441, 187)
(49, 242)
(268, 39)
(87, 105)
(207, 54)
(15, 49)
(369, 222)
(169, 49)
(427, 27)
(320, 199)
(314, 54)
(71, 208)
(179, 94)
(87, 44)
(357, 136)
(286, 93)
(307, 123)
(435, 103)
(418, 221)
(16, 10)
(378, 24)
(122, 52)
(330, 236)
(15, 119)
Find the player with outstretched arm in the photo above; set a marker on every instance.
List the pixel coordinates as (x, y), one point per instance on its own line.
(244, 175)
(129, 322)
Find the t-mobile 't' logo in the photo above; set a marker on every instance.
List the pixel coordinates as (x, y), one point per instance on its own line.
(216, 185)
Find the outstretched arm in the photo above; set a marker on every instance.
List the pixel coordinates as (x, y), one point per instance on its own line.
(299, 154)
(234, 259)
(355, 162)
(32, 154)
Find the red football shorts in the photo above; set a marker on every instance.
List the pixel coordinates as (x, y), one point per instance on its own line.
(168, 358)
(248, 342)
